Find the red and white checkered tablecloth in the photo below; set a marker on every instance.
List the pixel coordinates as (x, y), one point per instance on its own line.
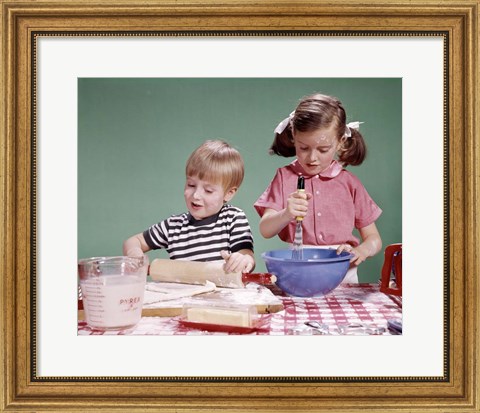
(352, 309)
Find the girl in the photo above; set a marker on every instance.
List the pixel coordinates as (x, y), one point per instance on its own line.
(335, 201)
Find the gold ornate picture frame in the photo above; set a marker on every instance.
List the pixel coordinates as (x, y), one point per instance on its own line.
(24, 390)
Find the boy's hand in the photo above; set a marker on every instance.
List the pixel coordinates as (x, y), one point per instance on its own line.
(135, 252)
(237, 262)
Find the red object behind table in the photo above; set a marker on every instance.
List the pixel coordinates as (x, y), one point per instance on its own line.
(392, 263)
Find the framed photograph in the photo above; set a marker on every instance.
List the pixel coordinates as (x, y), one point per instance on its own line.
(59, 58)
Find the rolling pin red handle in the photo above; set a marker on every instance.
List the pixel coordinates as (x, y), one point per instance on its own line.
(258, 277)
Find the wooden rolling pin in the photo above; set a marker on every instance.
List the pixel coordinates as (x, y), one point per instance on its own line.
(195, 272)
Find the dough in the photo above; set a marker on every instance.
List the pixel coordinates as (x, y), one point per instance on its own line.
(156, 292)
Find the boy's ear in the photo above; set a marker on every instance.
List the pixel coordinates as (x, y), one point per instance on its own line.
(229, 194)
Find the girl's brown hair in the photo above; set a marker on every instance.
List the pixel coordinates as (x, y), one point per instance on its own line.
(321, 111)
(217, 162)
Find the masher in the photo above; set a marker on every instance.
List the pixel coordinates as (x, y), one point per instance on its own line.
(297, 253)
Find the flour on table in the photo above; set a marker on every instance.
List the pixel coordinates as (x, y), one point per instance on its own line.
(165, 295)
(160, 291)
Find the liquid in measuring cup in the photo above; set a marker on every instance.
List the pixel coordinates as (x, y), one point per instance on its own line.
(113, 302)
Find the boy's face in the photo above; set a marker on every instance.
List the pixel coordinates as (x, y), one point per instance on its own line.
(204, 198)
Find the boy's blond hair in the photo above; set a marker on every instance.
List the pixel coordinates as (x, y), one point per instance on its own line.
(217, 162)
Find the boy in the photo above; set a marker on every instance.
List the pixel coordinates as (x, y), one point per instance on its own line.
(212, 230)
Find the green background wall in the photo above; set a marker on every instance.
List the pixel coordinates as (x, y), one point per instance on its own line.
(134, 136)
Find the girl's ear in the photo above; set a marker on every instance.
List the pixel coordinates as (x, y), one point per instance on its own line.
(229, 194)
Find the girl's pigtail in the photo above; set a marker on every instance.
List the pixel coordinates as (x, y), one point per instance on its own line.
(283, 143)
(353, 150)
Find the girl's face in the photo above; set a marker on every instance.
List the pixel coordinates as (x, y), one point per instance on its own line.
(204, 198)
(316, 149)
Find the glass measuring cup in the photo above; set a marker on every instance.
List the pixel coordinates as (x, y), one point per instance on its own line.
(113, 289)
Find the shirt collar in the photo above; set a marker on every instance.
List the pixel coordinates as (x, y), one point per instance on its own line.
(204, 221)
(331, 172)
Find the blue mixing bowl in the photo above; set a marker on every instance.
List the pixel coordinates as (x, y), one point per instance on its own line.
(319, 272)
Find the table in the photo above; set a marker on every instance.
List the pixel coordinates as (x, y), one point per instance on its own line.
(351, 309)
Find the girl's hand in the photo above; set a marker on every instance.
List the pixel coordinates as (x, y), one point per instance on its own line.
(371, 245)
(297, 204)
(237, 262)
(360, 254)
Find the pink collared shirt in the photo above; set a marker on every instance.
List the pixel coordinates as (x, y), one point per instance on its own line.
(339, 203)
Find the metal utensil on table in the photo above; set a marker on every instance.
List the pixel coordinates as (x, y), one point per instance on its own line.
(297, 253)
(309, 328)
(359, 329)
(320, 328)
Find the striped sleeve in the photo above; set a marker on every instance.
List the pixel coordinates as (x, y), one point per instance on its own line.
(156, 236)
(240, 232)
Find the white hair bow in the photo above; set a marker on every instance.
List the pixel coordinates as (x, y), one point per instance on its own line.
(284, 123)
(351, 125)
(348, 133)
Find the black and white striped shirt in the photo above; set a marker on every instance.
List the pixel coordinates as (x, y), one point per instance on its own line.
(186, 238)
